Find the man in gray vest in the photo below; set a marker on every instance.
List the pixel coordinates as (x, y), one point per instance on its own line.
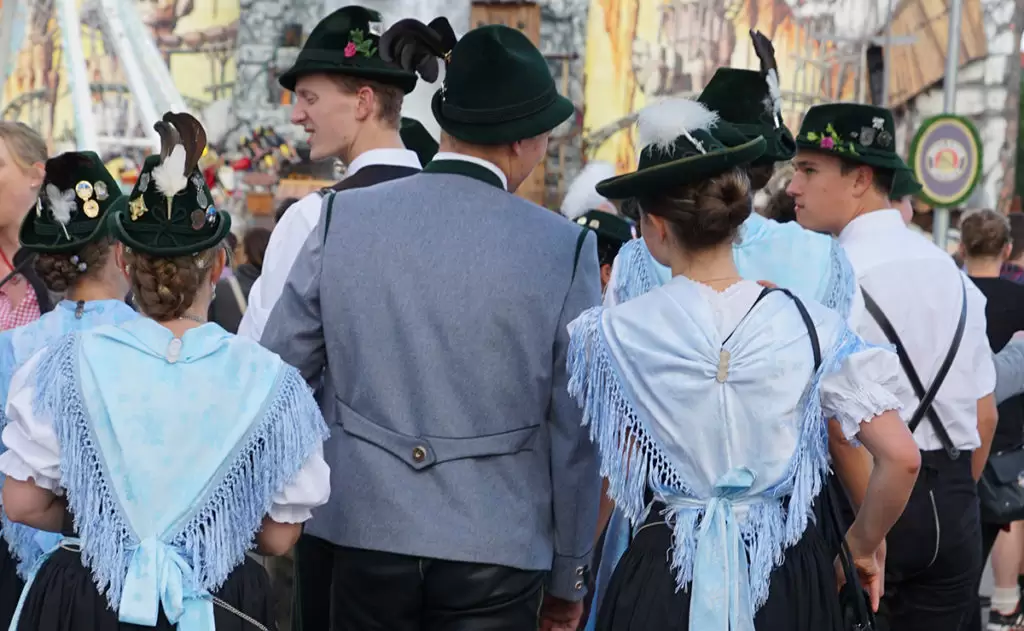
(433, 315)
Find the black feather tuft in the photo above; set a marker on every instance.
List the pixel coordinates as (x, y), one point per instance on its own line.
(64, 171)
(765, 51)
(416, 47)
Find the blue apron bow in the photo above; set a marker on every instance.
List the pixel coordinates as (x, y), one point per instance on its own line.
(159, 576)
(720, 594)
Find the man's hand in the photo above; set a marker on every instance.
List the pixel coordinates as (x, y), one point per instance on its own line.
(560, 615)
(767, 283)
(870, 568)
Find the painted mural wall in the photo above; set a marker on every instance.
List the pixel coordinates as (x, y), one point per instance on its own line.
(196, 37)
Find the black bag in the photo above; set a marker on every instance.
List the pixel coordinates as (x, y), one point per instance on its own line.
(854, 601)
(1001, 488)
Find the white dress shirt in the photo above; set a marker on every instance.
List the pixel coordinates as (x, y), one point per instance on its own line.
(920, 290)
(291, 232)
(490, 166)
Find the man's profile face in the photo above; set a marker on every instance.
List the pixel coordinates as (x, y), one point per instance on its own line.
(327, 113)
(821, 192)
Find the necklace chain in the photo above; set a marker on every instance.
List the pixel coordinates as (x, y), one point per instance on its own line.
(194, 318)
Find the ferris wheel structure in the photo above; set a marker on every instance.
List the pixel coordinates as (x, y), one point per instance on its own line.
(123, 35)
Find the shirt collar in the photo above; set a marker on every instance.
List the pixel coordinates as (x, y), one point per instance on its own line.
(887, 220)
(490, 166)
(390, 157)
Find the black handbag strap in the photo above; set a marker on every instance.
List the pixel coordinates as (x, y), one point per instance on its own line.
(926, 397)
(846, 560)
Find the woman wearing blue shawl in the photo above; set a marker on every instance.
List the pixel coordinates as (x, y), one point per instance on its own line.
(163, 448)
(708, 397)
(811, 265)
(74, 257)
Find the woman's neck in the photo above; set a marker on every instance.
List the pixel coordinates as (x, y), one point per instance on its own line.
(984, 267)
(89, 289)
(9, 241)
(714, 267)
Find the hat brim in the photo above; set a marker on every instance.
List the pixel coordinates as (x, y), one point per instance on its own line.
(507, 131)
(397, 77)
(668, 175)
(31, 239)
(891, 162)
(120, 227)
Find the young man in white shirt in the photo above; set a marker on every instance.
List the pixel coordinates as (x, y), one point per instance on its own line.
(349, 101)
(845, 167)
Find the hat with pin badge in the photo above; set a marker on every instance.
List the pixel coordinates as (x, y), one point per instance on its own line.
(864, 134)
(76, 196)
(170, 211)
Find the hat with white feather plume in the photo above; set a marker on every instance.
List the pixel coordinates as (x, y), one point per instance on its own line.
(751, 101)
(170, 211)
(583, 205)
(678, 147)
(76, 196)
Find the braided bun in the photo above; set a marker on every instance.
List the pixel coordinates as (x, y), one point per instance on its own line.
(707, 213)
(166, 288)
(61, 271)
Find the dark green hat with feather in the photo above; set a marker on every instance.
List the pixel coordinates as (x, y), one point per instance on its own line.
(77, 195)
(170, 211)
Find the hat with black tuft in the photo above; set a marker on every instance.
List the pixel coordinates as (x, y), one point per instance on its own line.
(77, 195)
(678, 148)
(170, 211)
(347, 42)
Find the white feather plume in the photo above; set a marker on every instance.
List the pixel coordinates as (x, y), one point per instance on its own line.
(61, 204)
(582, 195)
(661, 123)
(169, 176)
(774, 96)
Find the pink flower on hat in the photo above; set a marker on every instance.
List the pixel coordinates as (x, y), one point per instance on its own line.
(827, 143)
(350, 50)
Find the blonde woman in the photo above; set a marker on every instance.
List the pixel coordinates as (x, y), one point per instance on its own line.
(23, 296)
(163, 448)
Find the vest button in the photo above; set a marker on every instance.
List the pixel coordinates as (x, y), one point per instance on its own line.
(419, 454)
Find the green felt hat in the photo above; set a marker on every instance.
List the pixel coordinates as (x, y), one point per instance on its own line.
(416, 138)
(606, 225)
(77, 195)
(347, 42)
(864, 134)
(904, 184)
(184, 222)
(498, 89)
(679, 147)
(743, 99)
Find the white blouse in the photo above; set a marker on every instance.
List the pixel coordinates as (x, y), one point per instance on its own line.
(33, 451)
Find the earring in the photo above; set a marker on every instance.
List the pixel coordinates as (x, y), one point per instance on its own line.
(213, 291)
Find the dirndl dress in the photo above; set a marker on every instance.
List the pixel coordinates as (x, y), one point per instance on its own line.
(802, 592)
(10, 585)
(64, 597)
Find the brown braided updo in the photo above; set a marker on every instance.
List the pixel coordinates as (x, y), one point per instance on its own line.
(704, 214)
(61, 271)
(165, 288)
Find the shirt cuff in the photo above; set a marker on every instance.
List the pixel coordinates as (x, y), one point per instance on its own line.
(568, 579)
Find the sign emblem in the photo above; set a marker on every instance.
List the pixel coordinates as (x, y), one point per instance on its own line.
(946, 157)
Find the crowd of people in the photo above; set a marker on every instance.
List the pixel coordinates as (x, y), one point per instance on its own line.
(456, 410)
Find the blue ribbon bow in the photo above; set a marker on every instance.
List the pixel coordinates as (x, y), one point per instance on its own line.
(159, 576)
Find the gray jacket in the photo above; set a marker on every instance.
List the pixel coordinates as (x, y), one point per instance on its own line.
(432, 314)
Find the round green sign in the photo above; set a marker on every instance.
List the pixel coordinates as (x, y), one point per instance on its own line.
(946, 159)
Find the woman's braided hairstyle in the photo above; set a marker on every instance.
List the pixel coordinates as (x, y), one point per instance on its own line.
(165, 288)
(61, 271)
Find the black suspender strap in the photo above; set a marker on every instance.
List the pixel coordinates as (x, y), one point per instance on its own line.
(579, 248)
(927, 398)
(812, 331)
(330, 211)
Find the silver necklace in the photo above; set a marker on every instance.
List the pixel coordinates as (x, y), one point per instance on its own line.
(193, 318)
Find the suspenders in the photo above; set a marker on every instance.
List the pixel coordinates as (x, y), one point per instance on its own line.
(926, 397)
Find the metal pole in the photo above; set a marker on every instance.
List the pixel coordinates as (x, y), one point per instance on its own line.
(887, 56)
(940, 225)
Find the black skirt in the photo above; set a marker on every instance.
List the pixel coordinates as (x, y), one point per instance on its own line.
(802, 594)
(10, 585)
(63, 597)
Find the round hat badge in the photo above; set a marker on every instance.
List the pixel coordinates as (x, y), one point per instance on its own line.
(946, 157)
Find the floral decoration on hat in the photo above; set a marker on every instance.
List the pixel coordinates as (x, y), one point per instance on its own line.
(359, 44)
(831, 141)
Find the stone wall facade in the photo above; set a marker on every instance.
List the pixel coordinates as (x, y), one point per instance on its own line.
(987, 92)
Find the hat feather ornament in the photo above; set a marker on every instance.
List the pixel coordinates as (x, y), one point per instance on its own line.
(61, 205)
(770, 71)
(582, 195)
(660, 124)
(416, 46)
(170, 176)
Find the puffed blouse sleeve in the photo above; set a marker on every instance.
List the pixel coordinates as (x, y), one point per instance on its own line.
(865, 384)
(33, 452)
